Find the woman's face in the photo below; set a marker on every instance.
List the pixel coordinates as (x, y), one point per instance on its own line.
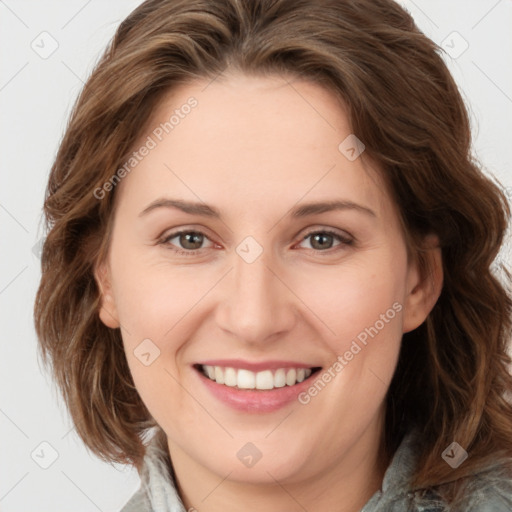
(265, 288)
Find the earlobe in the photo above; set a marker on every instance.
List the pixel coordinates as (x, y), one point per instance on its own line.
(424, 287)
(108, 310)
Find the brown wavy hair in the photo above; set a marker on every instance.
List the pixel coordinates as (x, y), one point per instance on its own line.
(452, 380)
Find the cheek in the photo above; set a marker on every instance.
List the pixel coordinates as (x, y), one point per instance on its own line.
(154, 304)
(352, 299)
(342, 300)
(151, 299)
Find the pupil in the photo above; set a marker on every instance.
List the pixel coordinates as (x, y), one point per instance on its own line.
(321, 238)
(195, 238)
(189, 238)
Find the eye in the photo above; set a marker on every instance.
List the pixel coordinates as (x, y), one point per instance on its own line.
(190, 241)
(322, 240)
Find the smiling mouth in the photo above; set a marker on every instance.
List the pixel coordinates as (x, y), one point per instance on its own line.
(264, 380)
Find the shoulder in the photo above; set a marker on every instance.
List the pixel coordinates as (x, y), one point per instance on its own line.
(139, 502)
(157, 490)
(489, 490)
(478, 495)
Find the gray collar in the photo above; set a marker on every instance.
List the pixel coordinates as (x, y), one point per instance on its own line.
(490, 491)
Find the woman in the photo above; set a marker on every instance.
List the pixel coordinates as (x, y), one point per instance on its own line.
(270, 246)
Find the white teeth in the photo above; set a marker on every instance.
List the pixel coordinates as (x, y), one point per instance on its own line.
(246, 379)
(291, 377)
(219, 375)
(280, 378)
(210, 370)
(264, 380)
(230, 377)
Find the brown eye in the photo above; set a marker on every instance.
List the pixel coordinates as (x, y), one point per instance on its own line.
(192, 240)
(186, 242)
(324, 240)
(321, 241)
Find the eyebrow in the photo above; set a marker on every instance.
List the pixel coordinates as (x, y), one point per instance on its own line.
(304, 210)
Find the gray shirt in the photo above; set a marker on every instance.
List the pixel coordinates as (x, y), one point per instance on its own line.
(490, 490)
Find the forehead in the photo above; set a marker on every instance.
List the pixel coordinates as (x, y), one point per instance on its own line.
(251, 139)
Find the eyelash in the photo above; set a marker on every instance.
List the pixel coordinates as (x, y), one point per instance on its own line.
(344, 241)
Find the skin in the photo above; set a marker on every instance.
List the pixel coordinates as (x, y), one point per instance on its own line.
(254, 148)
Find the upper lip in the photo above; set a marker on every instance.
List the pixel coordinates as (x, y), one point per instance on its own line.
(255, 366)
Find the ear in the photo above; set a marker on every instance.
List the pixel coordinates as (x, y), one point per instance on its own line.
(423, 285)
(108, 311)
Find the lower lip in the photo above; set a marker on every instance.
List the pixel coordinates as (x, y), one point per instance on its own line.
(251, 400)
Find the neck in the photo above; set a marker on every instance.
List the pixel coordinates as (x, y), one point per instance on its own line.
(345, 486)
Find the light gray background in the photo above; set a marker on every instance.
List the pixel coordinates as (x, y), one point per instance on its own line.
(36, 95)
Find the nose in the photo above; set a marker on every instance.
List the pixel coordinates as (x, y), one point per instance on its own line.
(257, 305)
